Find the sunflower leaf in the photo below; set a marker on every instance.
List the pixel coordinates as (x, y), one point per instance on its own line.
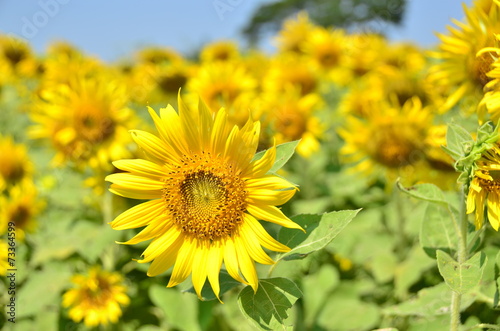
(458, 140)
(320, 231)
(283, 153)
(268, 307)
(461, 277)
(436, 231)
(426, 192)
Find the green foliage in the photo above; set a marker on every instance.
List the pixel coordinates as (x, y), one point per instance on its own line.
(461, 277)
(269, 305)
(270, 16)
(283, 153)
(320, 231)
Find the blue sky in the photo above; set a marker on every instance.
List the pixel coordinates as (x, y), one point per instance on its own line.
(114, 29)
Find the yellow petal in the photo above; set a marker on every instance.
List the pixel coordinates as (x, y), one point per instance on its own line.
(135, 182)
(214, 263)
(138, 216)
(165, 260)
(249, 241)
(200, 268)
(272, 214)
(141, 167)
(135, 194)
(159, 244)
(154, 229)
(154, 147)
(260, 167)
(183, 263)
(247, 266)
(264, 238)
(270, 182)
(231, 261)
(270, 197)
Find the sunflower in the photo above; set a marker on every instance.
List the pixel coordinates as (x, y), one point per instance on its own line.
(207, 194)
(325, 47)
(294, 32)
(96, 297)
(220, 51)
(21, 206)
(484, 189)
(14, 163)
(490, 104)
(291, 116)
(85, 120)
(389, 140)
(460, 69)
(4, 265)
(219, 84)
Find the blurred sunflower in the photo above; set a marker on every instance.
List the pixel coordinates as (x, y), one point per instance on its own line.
(96, 297)
(325, 47)
(484, 189)
(460, 69)
(158, 55)
(86, 120)
(207, 196)
(281, 76)
(4, 265)
(220, 51)
(291, 116)
(15, 164)
(219, 84)
(389, 140)
(294, 32)
(18, 56)
(489, 107)
(21, 206)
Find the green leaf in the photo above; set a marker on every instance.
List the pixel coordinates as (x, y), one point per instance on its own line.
(317, 287)
(46, 286)
(283, 153)
(320, 231)
(180, 309)
(496, 276)
(426, 192)
(226, 283)
(461, 277)
(437, 231)
(430, 301)
(456, 138)
(269, 306)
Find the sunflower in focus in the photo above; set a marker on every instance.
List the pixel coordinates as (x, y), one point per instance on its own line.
(461, 70)
(389, 140)
(484, 189)
(85, 120)
(15, 166)
(96, 297)
(207, 194)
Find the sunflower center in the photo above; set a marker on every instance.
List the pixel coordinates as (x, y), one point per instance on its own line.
(491, 185)
(291, 124)
(205, 197)
(172, 83)
(481, 66)
(93, 126)
(393, 152)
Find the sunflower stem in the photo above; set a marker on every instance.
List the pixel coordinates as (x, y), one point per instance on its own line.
(456, 297)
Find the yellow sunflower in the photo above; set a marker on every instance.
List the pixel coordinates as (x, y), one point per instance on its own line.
(96, 297)
(291, 116)
(85, 120)
(219, 84)
(294, 32)
(220, 51)
(21, 206)
(4, 265)
(207, 194)
(490, 104)
(14, 163)
(389, 140)
(460, 69)
(484, 189)
(325, 47)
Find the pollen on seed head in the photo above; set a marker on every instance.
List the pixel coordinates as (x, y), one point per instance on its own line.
(207, 198)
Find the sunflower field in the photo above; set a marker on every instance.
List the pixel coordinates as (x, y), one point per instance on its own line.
(343, 182)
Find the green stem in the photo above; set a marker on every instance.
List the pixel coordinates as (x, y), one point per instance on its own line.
(456, 297)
